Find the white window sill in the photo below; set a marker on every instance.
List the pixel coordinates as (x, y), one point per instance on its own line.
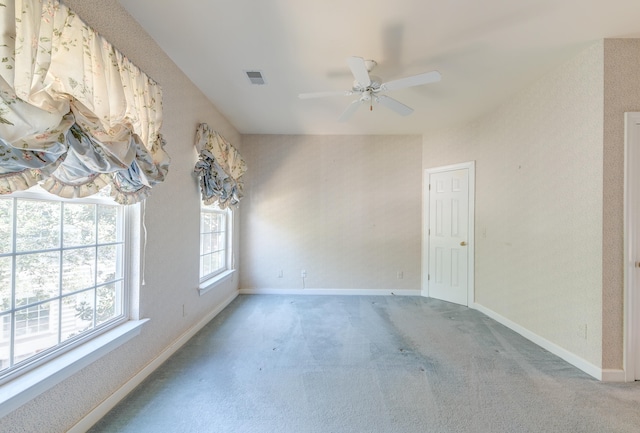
(212, 282)
(27, 386)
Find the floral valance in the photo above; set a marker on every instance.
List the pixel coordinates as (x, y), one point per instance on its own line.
(75, 114)
(220, 168)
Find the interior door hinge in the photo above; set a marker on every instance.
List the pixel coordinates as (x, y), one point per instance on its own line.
(428, 277)
(429, 187)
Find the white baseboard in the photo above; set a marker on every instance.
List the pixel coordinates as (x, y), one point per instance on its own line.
(610, 375)
(361, 292)
(103, 408)
(571, 358)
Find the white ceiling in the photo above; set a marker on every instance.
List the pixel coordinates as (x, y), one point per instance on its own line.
(485, 50)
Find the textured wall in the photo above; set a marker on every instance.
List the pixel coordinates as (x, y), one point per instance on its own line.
(539, 189)
(347, 209)
(172, 221)
(621, 93)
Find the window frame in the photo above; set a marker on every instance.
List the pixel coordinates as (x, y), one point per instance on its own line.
(209, 280)
(129, 216)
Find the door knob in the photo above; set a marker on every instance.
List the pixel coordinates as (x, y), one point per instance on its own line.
(463, 243)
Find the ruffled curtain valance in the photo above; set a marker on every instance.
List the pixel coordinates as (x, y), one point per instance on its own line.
(75, 114)
(220, 168)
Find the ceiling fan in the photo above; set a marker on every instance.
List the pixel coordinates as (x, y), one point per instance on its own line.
(370, 88)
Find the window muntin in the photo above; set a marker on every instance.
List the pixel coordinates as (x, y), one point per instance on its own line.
(214, 241)
(61, 275)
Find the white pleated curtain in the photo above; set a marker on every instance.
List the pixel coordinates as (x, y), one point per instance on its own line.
(75, 114)
(220, 168)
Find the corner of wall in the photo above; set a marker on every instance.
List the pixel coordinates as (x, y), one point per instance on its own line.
(621, 94)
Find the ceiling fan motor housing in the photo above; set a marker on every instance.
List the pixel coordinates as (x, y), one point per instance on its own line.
(374, 86)
(366, 95)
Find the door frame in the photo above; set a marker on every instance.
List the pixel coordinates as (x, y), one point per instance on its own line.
(631, 246)
(471, 166)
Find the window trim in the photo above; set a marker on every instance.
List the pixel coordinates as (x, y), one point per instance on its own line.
(209, 281)
(36, 193)
(26, 384)
(212, 282)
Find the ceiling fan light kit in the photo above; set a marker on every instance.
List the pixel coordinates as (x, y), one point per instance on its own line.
(370, 88)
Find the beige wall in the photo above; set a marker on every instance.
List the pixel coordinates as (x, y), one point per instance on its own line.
(347, 209)
(539, 189)
(621, 94)
(172, 222)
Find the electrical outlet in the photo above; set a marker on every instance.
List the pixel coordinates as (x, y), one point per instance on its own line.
(303, 273)
(280, 274)
(400, 275)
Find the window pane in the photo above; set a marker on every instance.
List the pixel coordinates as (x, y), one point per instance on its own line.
(217, 243)
(211, 263)
(5, 339)
(77, 313)
(108, 257)
(213, 225)
(205, 241)
(79, 224)
(5, 283)
(107, 224)
(223, 241)
(78, 269)
(37, 277)
(109, 304)
(217, 261)
(37, 225)
(216, 222)
(213, 241)
(6, 225)
(205, 265)
(6, 327)
(35, 332)
(205, 224)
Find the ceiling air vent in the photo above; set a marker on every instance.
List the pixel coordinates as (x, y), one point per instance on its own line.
(255, 77)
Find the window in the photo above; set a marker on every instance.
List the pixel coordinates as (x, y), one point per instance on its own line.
(62, 278)
(215, 236)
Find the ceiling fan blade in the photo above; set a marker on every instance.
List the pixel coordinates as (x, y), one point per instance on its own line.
(414, 80)
(349, 111)
(394, 105)
(324, 94)
(359, 70)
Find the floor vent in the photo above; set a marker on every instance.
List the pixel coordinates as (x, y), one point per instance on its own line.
(255, 77)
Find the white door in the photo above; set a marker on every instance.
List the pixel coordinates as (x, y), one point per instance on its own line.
(632, 246)
(448, 235)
